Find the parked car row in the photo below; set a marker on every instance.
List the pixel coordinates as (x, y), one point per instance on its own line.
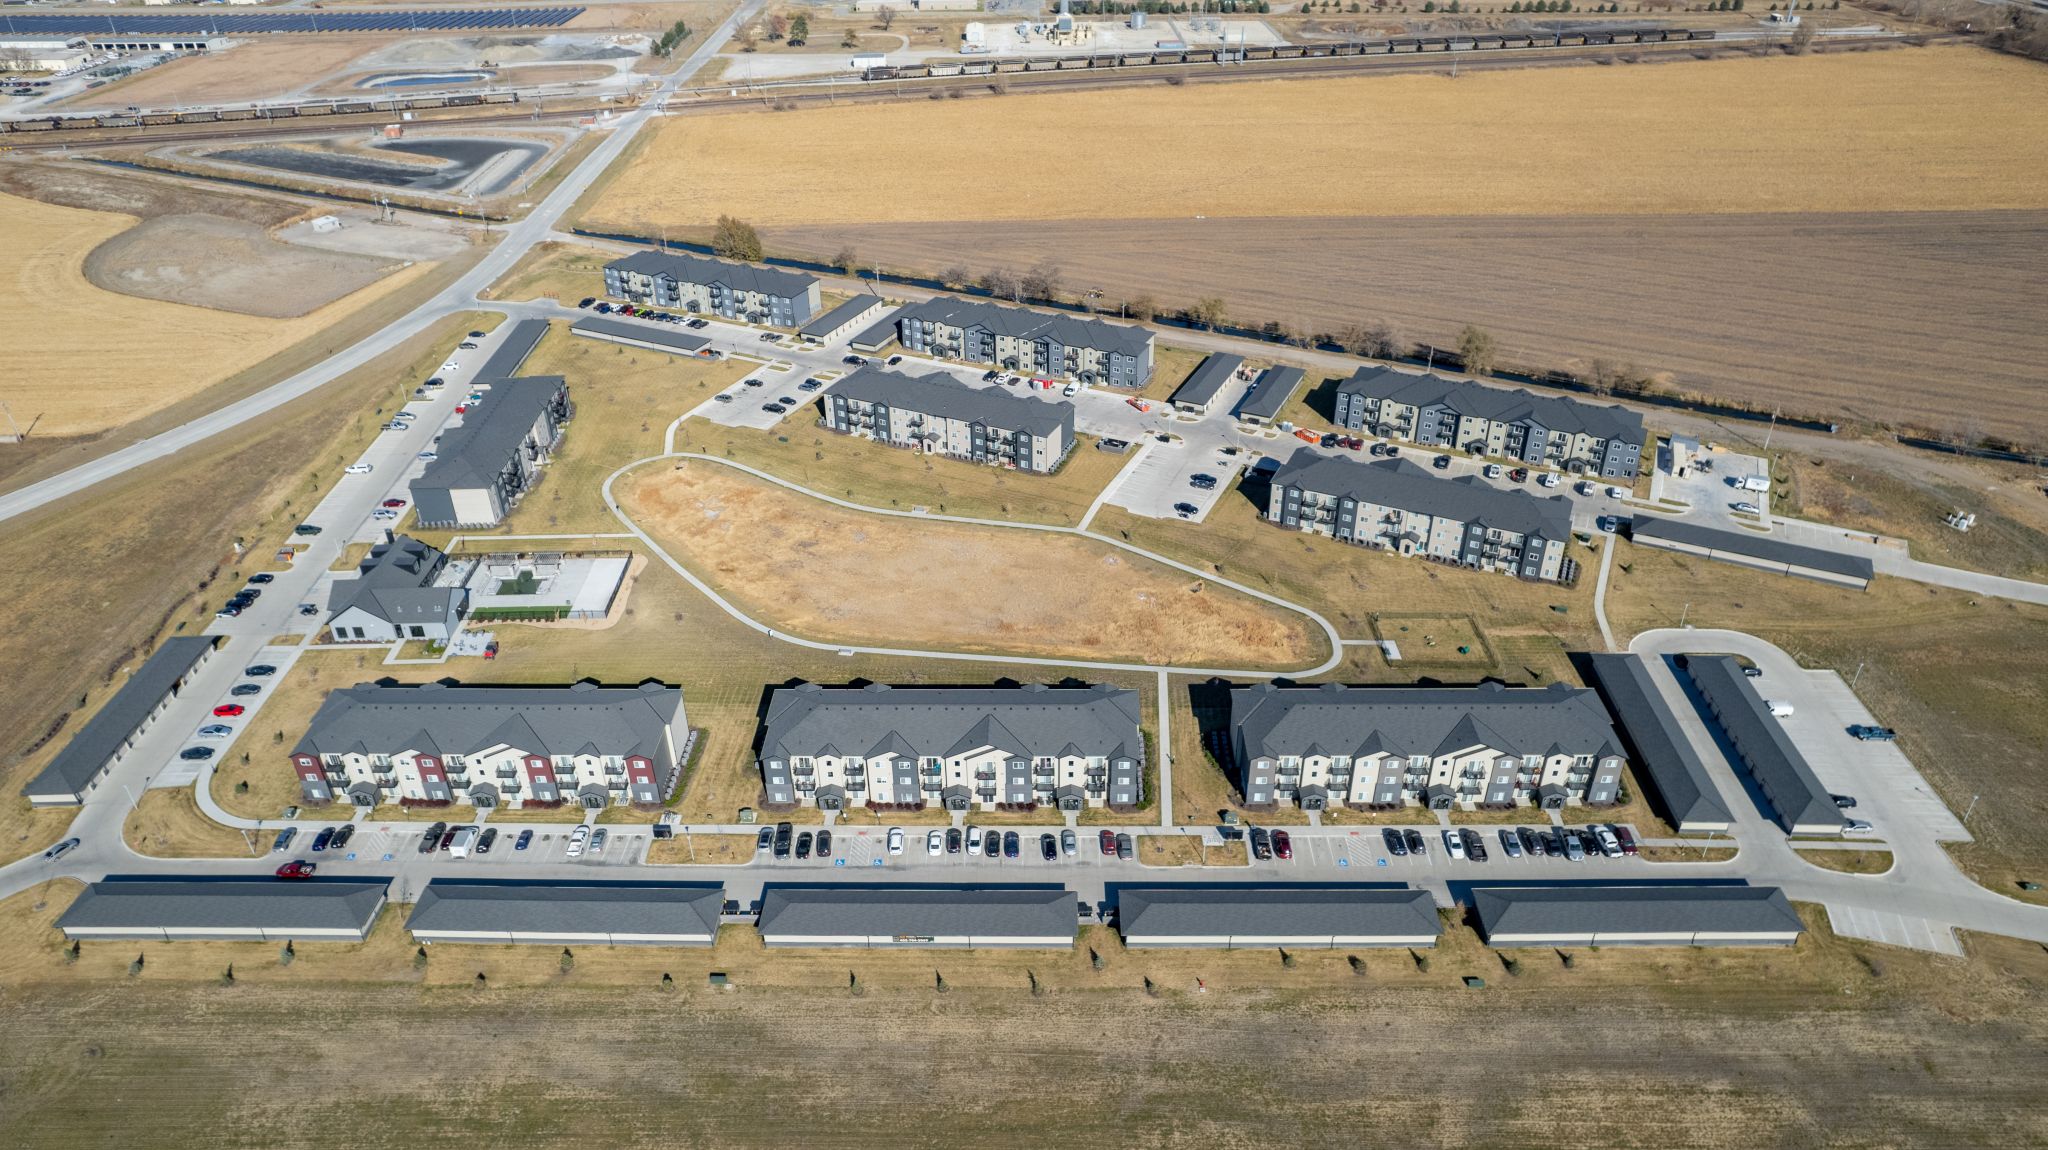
(1468, 844)
(783, 840)
(229, 710)
(637, 311)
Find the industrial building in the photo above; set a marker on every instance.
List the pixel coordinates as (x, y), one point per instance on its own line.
(550, 913)
(1393, 505)
(225, 910)
(489, 463)
(1237, 917)
(939, 415)
(1370, 747)
(1752, 550)
(700, 284)
(394, 596)
(990, 748)
(112, 732)
(893, 917)
(1674, 914)
(1667, 765)
(1028, 342)
(1540, 430)
(1801, 804)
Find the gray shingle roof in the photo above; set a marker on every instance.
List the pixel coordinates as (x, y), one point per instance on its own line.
(1664, 756)
(1271, 391)
(840, 316)
(991, 913)
(686, 268)
(1206, 380)
(474, 454)
(566, 908)
(88, 751)
(1505, 405)
(1753, 545)
(1779, 769)
(1023, 323)
(391, 584)
(937, 393)
(1249, 913)
(518, 344)
(1399, 483)
(225, 904)
(682, 343)
(938, 721)
(1430, 721)
(581, 719)
(1579, 911)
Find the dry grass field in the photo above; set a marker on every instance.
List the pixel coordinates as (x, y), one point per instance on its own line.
(85, 359)
(1934, 130)
(1832, 1043)
(826, 573)
(228, 265)
(256, 68)
(1850, 862)
(2010, 536)
(1947, 670)
(167, 823)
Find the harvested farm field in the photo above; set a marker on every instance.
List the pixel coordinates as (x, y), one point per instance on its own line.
(228, 265)
(1918, 318)
(1935, 129)
(827, 573)
(256, 68)
(144, 354)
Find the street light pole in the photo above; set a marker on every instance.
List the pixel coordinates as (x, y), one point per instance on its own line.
(1857, 678)
(1682, 614)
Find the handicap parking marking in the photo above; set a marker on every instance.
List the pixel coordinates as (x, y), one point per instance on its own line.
(838, 862)
(1343, 862)
(1381, 862)
(875, 862)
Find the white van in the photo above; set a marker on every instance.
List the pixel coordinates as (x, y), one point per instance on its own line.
(464, 839)
(1778, 709)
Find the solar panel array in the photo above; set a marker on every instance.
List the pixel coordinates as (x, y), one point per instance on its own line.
(195, 24)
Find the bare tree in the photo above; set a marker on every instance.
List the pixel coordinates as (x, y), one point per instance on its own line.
(1476, 348)
(1802, 39)
(847, 260)
(956, 276)
(1142, 309)
(999, 282)
(1208, 312)
(1042, 281)
(735, 239)
(885, 16)
(778, 26)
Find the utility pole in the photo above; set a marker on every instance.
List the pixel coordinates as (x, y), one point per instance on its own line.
(1771, 430)
(1972, 807)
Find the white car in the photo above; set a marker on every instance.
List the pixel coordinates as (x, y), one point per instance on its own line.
(429, 456)
(895, 840)
(577, 838)
(1778, 708)
(359, 469)
(1748, 509)
(384, 513)
(1071, 390)
(1608, 523)
(973, 841)
(1588, 488)
(1609, 845)
(1617, 493)
(1493, 471)
(935, 843)
(1547, 479)
(1454, 842)
(1858, 829)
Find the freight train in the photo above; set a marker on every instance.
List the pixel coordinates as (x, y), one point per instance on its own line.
(344, 107)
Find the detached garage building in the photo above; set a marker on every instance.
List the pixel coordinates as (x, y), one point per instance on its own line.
(567, 913)
(1678, 915)
(108, 735)
(1246, 916)
(225, 910)
(1206, 383)
(848, 319)
(1802, 804)
(1269, 393)
(646, 336)
(1663, 755)
(1752, 550)
(874, 917)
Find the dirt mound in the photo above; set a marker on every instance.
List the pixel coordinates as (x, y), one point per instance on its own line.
(228, 265)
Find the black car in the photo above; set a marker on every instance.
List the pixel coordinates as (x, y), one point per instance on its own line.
(432, 838)
(992, 845)
(1049, 847)
(772, 408)
(484, 841)
(196, 754)
(587, 301)
(1416, 845)
(1475, 847)
(259, 671)
(990, 376)
(824, 844)
(305, 529)
(604, 308)
(853, 361)
(1530, 843)
(1396, 845)
(1262, 843)
(766, 839)
(263, 577)
(1009, 844)
(1186, 509)
(342, 834)
(1126, 847)
(784, 834)
(1846, 802)
(1205, 482)
(954, 841)
(322, 840)
(1441, 463)
(448, 837)
(803, 845)
(244, 690)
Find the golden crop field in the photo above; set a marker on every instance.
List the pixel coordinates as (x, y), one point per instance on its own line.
(82, 359)
(1926, 129)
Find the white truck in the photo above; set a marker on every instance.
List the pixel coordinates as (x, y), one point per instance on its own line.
(1754, 483)
(464, 839)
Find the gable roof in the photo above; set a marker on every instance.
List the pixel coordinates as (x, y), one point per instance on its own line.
(1205, 381)
(1024, 323)
(563, 908)
(917, 912)
(87, 752)
(940, 721)
(599, 326)
(1403, 721)
(474, 454)
(684, 267)
(1671, 909)
(841, 315)
(1399, 483)
(1275, 912)
(1785, 776)
(1752, 545)
(516, 346)
(1664, 757)
(1271, 391)
(1505, 405)
(392, 584)
(937, 393)
(178, 904)
(621, 721)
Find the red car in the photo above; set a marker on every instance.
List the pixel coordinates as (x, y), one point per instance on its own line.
(228, 710)
(1626, 838)
(297, 870)
(461, 409)
(394, 503)
(1281, 846)
(1108, 841)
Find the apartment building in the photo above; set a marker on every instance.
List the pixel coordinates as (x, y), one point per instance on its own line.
(490, 462)
(1540, 430)
(585, 745)
(1029, 342)
(992, 748)
(1394, 505)
(939, 415)
(394, 596)
(1439, 747)
(701, 284)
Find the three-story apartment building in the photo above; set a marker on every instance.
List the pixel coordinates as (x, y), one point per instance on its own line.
(1396, 506)
(714, 287)
(938, 414)
(584, 744)
(1438, 747)
(1029, 342)
(954, 747)
(1542, 430)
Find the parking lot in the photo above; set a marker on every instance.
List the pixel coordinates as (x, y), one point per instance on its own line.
(625, 845)
(1158, 483)
(1711, 485)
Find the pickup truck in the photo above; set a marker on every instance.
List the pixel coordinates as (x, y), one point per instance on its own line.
(1873, 734)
